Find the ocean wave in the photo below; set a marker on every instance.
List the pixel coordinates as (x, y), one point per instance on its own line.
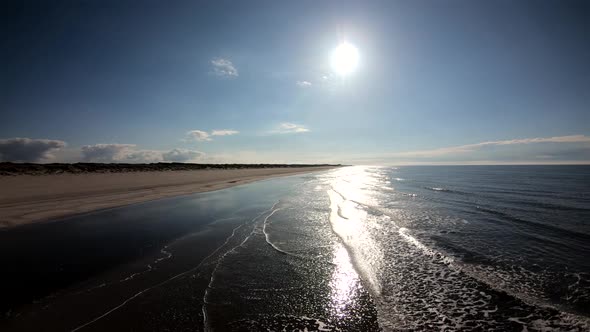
(437, 189)
(446, 190)
(508, 217)
(547, 205)
(403, 232)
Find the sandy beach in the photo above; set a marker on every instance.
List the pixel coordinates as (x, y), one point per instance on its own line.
(26, 199)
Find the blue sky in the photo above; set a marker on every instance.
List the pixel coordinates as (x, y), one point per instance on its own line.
(140, 81)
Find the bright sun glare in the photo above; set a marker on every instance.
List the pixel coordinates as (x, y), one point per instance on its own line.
(345, 58)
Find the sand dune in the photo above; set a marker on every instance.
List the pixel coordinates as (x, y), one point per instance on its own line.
(30, 198)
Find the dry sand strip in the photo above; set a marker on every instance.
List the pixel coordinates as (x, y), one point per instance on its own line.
(26, 199)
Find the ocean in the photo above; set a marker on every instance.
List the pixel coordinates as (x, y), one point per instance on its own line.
(358, 248)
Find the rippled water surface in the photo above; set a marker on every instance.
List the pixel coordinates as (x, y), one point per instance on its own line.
(500, 247)
(351, 249)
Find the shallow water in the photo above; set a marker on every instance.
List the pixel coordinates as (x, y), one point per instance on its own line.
(356, 248)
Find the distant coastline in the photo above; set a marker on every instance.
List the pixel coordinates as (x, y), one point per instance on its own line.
(39, 192)
(10, 168)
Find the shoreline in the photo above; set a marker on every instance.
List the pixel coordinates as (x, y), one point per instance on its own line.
(29, 199)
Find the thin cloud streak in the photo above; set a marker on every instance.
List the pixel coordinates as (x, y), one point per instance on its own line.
(461, 149)
(224, 132)
(290, 128)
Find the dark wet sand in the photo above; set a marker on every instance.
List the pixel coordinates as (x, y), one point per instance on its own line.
(59, 275)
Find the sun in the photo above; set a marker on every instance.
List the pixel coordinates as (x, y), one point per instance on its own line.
(345, 58)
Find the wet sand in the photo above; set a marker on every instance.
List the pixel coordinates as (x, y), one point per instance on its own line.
(25, 199)
(222, 260)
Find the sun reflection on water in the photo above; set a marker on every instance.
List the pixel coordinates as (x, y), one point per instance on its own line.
(358, 183)
(344, 281)
(352, 191)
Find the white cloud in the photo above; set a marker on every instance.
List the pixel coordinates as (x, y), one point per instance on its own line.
(224, 132)
(224, 68)
(304, 84)
(127, 153)
(290, 128)
(143, 156)
(28, 150)
(199, 135)
(108, 152)
(181, 155)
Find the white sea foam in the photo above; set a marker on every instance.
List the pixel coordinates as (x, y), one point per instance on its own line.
(428, 251)
(297, 322)
(167, 255)
(267, 235)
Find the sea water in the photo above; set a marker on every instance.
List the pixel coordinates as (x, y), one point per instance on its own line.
(351, 249)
